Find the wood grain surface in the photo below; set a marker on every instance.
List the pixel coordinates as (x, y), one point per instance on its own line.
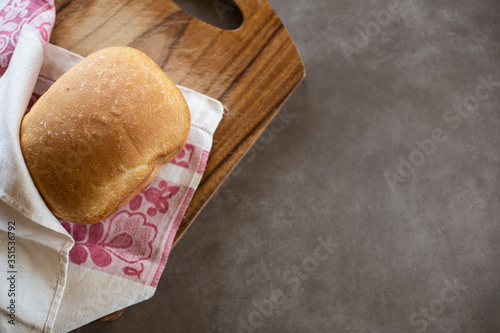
(251, 70)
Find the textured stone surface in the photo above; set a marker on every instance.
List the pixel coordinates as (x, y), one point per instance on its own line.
(420, 255)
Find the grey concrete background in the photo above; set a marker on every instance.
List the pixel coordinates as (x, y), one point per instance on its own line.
(421, 255)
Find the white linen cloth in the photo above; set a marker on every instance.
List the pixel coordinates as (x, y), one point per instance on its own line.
(41, 243)
(68, 275)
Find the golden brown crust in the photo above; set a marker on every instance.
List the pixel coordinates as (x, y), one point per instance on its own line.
(101, 132)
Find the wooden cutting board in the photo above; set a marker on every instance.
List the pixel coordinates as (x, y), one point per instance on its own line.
(251, 70)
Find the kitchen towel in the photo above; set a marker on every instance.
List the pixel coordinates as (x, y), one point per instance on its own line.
(121, 258)
(34, 246)
(60, 275)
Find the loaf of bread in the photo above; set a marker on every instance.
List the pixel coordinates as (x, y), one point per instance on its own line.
(101, 132)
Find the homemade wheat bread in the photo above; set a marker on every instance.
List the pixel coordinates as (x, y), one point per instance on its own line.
(101, 132)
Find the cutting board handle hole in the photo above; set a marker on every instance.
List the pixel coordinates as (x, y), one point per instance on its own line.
(223, 14)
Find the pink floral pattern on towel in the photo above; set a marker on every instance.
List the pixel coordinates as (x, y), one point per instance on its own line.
(39, 14)
(126, 238)
(135, 242)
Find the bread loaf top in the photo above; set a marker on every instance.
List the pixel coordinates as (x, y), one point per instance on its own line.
(101, 132)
